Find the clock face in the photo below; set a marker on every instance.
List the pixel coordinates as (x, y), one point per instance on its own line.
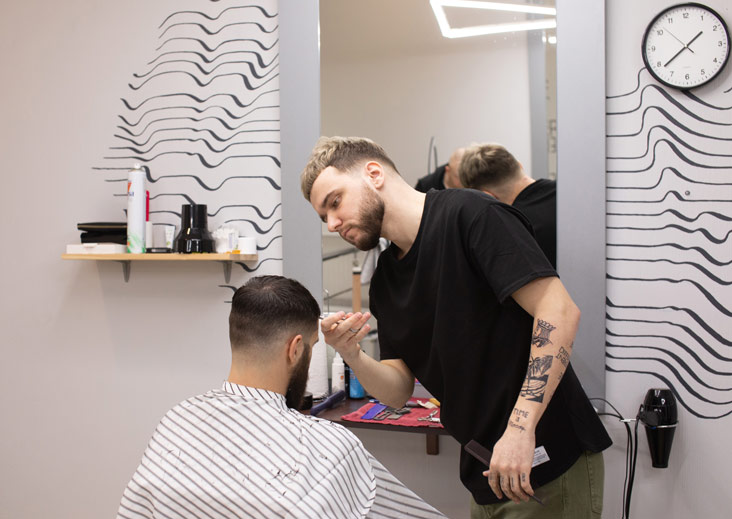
(686, 46)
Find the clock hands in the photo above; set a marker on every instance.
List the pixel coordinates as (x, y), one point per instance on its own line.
(685, 46)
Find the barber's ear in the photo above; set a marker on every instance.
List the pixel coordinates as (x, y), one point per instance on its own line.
(375, 173)
(295, 348)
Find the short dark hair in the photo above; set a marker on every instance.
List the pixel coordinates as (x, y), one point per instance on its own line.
(488, 166)
(266, 308)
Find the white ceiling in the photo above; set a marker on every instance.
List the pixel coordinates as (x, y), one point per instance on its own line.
(364, 29)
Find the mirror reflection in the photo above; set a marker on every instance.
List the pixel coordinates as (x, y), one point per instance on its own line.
(388, 73)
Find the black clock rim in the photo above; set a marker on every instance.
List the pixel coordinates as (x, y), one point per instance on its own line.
(659, 15)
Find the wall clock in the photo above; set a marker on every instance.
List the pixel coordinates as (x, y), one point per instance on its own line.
(686, 46)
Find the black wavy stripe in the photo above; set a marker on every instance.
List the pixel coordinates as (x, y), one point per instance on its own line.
(199, 100)
(676, 152)
(208, 60)
(210, 32)
(217, 211)
(681, 399)
(678, 376)
(672, 120)
(668, 194)
(259, 264)
(200, 181)
(689, 371)
(191, 129)
(697, 338)
(181, 139)
(260, 230)
(214, 48)
(697, 266)
(696, 99)
(677, 174)
(676, 139)
(202, 70)
(204, 162)
(709, 297)
(709, 236)
(261, 9)
(674, 212)
(256, 209)
(687, 349)
(222, 122)
(671, 100)
(244, 78)
(704, 253)
(637, 86)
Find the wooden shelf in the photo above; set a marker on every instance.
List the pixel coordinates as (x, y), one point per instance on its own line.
(126, 259)
(432, 434)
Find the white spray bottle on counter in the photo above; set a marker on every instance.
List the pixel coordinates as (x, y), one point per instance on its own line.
(136, 210)
(337, 374)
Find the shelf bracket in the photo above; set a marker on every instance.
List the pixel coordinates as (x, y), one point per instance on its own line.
(227, 271)
(126, 266)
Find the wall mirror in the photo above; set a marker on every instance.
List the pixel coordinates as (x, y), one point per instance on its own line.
(388, 73)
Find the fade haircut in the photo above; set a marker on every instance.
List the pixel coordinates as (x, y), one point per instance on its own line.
(268, 309)
(343, 153)
(488, 166)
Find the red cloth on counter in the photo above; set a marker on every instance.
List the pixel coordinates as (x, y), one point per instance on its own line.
(407, 420)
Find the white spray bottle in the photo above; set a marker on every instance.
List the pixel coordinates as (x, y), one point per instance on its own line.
(136, 210)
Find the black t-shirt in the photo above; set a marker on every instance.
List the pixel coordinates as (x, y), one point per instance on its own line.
(435, 180)
(446, 310)
(538, 202)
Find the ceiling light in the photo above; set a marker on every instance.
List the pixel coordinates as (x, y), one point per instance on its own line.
(478, 30)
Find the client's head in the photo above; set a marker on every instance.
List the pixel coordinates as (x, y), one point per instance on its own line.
(273, 326)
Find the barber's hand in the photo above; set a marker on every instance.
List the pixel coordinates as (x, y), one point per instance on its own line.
(513, 455)
(343, 331)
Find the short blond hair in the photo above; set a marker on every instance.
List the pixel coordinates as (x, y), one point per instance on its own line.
(343, 153)
(488, 166)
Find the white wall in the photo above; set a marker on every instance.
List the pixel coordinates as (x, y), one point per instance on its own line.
(401, 101)
(663, 327)
(89, 363)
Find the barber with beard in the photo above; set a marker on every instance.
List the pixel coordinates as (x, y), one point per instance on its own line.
(245, 450)
(466, 301)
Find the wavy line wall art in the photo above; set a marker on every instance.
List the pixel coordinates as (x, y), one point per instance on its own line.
(669, 240)
(202, 113)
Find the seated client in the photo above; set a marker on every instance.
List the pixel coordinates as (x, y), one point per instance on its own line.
(245, 451)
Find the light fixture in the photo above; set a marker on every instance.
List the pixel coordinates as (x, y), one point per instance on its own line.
(478, 30)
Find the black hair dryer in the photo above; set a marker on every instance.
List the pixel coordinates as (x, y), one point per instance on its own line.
(659, 415)
(194, 235)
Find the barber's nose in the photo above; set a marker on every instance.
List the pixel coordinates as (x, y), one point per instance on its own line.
(333, 223)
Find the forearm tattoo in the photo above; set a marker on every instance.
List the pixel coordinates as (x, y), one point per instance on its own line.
(516, 417)
(541, 334)
(563, 356)
(536, 378)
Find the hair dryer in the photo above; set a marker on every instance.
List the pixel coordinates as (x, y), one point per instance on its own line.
(659, 415)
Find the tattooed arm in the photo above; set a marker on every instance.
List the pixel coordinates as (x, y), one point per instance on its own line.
(556, 318)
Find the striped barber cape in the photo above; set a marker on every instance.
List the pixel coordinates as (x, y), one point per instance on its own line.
(241, 452)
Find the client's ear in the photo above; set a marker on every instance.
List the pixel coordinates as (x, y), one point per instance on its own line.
(295, 348)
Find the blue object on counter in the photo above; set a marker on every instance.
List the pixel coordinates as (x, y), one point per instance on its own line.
(355, 389)
(329, 402)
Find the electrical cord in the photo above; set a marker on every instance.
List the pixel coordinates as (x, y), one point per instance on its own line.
(631, 455)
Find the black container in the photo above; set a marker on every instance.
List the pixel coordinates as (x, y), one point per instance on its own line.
(660, 417)
(194, 235)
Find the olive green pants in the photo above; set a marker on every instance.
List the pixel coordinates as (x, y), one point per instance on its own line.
(576, 494)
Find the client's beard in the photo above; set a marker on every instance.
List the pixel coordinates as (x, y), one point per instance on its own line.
(298, 381)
